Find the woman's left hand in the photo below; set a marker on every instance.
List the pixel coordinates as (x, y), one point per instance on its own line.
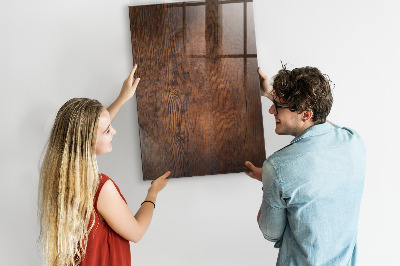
(129, 86)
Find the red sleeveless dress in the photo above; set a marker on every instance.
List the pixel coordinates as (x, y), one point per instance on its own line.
(105, 247)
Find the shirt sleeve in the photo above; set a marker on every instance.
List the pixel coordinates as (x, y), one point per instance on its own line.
(273, 219)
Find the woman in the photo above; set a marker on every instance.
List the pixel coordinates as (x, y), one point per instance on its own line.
(84, 219)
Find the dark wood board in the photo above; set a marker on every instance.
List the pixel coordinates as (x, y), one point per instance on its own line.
(198, 101)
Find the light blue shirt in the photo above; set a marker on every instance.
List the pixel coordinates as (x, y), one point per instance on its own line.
(311, 197)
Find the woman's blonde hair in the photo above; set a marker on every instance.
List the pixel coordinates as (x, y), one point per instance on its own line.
(68, 182)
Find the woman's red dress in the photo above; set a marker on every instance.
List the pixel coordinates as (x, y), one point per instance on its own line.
(104, 246)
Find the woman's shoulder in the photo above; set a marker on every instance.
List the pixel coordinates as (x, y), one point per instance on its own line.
(111, 185)
(103, 179)
(103, 176)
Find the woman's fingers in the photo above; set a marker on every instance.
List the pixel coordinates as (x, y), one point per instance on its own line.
(133, 70)
(136, 82)
(165, 176)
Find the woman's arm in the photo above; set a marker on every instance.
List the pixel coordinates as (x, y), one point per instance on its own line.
(127, 91)
(119, 217)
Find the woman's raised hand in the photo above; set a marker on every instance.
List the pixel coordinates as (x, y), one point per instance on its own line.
(129, 86)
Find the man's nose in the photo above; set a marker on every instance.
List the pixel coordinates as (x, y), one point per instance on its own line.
(272, 110)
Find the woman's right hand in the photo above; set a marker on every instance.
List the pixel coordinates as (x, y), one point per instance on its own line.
(158, 184)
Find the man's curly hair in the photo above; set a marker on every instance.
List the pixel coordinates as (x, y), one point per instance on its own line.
(304, 88)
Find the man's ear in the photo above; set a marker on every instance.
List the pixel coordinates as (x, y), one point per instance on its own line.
(306, 115)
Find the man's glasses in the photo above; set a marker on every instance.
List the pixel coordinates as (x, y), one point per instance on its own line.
(277, 106)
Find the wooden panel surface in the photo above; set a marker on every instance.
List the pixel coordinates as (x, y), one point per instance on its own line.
(199, 103)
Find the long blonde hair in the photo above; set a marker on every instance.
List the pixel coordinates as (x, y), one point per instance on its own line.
(68, 182)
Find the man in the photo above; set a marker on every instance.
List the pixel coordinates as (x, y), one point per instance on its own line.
(312, 187)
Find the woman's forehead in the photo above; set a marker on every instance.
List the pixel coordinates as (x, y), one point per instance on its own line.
(104, 120)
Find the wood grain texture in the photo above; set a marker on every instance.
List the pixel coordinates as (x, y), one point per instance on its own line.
(199, 102)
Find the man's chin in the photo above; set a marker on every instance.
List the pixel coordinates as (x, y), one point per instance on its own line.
(278, 132)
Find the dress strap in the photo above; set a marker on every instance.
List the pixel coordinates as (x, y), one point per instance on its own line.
(103, 179)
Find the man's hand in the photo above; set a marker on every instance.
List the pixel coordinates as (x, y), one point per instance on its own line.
(266, 87)
(255, 173)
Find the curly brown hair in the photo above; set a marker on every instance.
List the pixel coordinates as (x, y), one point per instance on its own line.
(304, 88)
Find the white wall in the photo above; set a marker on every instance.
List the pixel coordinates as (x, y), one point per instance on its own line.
(51, 51)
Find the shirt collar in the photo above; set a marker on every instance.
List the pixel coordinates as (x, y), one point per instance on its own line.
(314, 131)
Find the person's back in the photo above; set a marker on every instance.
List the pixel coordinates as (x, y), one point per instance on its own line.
(311, 188)
(320, 176)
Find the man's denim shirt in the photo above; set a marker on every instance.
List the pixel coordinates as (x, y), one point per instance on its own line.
(312, 192)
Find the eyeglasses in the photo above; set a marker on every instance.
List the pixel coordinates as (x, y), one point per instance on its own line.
(278, 106)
